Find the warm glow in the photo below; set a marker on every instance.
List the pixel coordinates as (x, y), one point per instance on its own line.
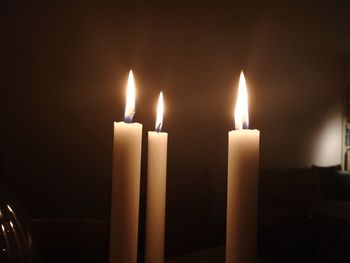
(130, 99)
(11, 224)
(10, 209)
(3, 228)
(160, 112)
(241, 110)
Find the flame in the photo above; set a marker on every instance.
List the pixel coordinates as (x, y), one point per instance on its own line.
(3, 228)
(11, 224)
(130, 99)
(160, 112)
(241, 110)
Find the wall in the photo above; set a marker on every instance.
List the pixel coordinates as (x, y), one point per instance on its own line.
(64, 81)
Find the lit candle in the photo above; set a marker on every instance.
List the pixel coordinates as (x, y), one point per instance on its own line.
(156, 189)
(125, 184)
(242, 184)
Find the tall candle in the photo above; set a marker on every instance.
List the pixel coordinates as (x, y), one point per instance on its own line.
(242, 184)
(125, 184)
(156, 189)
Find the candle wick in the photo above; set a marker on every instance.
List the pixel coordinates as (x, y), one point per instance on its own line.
(128, 118)
(159, 127)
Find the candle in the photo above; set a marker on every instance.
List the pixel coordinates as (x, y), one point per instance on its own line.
(125, 184)
(156, 189)
(242, 184)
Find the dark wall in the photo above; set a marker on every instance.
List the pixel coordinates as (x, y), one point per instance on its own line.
(64, 74)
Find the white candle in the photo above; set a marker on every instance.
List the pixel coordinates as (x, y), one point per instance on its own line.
(156, 190)
(242, 184)
(125, 184)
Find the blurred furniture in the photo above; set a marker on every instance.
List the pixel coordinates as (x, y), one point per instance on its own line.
(304, 215)
(346, 118)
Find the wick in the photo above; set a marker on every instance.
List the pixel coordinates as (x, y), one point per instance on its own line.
(159, 127)
(128, 118)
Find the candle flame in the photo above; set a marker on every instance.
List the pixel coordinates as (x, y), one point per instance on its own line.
(130, 99)
(11, 224)
(160, 113)
(241, 110)
(3, 228)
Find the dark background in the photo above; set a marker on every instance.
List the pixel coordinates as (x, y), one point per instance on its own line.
(63, 80)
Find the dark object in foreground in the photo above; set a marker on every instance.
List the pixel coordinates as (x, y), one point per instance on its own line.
(70, 240)
(15, 241)
(304, 215)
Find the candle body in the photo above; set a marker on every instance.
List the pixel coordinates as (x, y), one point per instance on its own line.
(242, 189)
(156, 196)
(125, 192)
